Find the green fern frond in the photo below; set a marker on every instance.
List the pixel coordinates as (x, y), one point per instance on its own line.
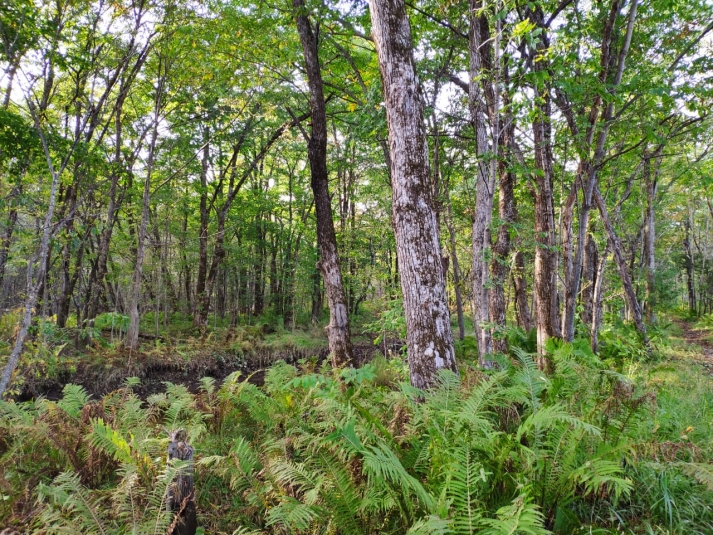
(701, 472)
(548, 416)
(74, 398)
(292, 515)
(104, 438)
(432, 525)
(466, 479)
(71, 507)
(381, 465)
(520, 518)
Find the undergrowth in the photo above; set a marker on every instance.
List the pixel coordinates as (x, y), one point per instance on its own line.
(359, 451)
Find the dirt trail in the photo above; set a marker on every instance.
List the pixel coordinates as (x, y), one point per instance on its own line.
(698, 338)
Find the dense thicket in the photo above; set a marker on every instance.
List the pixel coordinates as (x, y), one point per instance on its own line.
(157, 157)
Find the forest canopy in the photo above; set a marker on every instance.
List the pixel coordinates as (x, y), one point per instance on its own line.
(456, 186)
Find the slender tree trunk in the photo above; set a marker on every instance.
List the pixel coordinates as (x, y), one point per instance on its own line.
(622, 268)
(507, 211)
(457, 282)
(429, 338)
(200, 317)
(588, 167)
(519, 280)
(650, 180)
(479, 44)
(338, 332)
(597, 299)
(131, 341)
(545, 276)
(97, 281)
(690, 271)
(589, 273)
(7, 231)
(34, 287)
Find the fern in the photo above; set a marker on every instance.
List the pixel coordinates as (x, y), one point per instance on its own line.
(74, 398)
(521, 517)
(292, 515)
(431, 525)
(703, 473)
(71, 507)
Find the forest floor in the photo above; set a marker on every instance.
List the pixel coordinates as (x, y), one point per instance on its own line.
(699, 341)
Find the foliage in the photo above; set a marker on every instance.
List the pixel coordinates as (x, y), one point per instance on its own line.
(324, 450)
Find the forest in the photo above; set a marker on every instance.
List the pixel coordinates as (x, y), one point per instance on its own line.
(326, 267)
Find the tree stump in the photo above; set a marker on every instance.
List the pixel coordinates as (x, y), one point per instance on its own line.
(181, 494)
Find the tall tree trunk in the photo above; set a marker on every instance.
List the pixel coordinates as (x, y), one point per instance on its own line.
(7, 231)
(589, 165)
(519, 280)
(690, 267)
(33, 287)
(200, 316)
(507, 212)
(597, 299)
(429, 338)
(651, 182)
(457, 282)
(97, 281)
(479, 45)
(545, 279)
(589, 273)
(622, 268)
(340, 344)
(131, 341)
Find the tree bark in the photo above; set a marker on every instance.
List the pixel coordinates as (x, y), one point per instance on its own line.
(622, 268)
(429, 338)
(522, 304)
(479, 46)
(690, 267)
(546, 309)
(457, 282)
(131, 341)
(200, 312)
(589, 274)
(589, 165)
(651, 182)
(34, 287)
(338, 333)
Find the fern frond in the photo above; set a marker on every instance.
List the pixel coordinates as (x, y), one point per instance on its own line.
(74, 398)
(521, 517)
(106, 439)
(292, 515)
(71, 506)
(432, 525)
(701, 472)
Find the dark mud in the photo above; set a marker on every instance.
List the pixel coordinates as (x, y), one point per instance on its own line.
(155, 370)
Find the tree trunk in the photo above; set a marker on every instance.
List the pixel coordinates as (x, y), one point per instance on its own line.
(623, 271)
(429, 338)
(546, 307)
(200, 312)
(97, 281)
(34, 287)
(597, 299)
(519, 280)
(8, 229)
(589, 273)
(479, 45)
(690, 265)
(131, 341)
(456, 269)
(650, 180)
(507, 212)
(340, 345)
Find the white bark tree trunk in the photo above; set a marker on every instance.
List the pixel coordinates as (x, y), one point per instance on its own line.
(429, 338)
